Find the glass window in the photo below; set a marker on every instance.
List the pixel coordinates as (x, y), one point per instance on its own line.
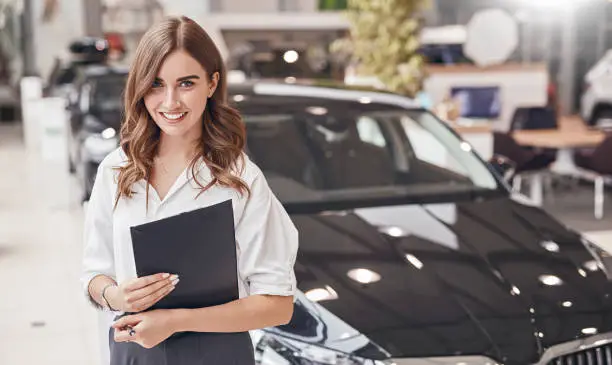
(346, 151)
(370, 132)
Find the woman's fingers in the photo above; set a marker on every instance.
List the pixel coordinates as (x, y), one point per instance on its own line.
(131, 320)
(124, 335)
(143, 293)
(153, 298)
(145, 281)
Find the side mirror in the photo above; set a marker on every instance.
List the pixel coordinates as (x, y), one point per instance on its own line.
(504, 166)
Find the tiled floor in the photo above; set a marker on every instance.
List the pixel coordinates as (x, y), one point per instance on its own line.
(44, 319)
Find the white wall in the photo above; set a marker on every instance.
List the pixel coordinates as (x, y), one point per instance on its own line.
(190, 8)
(246, 6)
(52, 39)
(521, 85)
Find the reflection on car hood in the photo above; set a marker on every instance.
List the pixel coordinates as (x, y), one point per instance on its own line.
(471, 285)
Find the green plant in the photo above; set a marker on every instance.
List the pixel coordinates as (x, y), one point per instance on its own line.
(332, 4)
(384, 40)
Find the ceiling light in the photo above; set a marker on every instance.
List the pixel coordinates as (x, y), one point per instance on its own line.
(414, 261)
(550, 246)
(466, 146)
(591, 265)
(321, 294)
(109, 133)
(291, 56)
(515, 291)
(567, 304)
(532, 310)
(550, 280)
(582, 273)
(364, 276)
(238, 98)
(540, 334)
(589, 331)
(365, 100)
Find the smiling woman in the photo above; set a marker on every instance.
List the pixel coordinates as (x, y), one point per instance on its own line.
(179, 83)
(181, 142)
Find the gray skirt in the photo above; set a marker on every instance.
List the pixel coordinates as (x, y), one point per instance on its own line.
(188, 348)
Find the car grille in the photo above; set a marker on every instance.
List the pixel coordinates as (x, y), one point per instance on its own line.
(601, 355)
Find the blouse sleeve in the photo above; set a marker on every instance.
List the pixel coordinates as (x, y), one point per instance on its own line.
(268, 243)
(98, 257)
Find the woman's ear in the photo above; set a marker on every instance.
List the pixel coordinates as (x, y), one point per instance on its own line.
(214, 81)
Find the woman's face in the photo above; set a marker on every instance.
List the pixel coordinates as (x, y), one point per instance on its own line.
(178, 96)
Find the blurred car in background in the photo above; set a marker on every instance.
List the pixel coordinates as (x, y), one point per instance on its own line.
(95, 113)
(412, 250)
(596, 100)
(82, 52)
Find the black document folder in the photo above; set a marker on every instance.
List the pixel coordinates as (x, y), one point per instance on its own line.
(200, 247)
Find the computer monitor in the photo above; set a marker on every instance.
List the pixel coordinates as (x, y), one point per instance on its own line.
(478, 102)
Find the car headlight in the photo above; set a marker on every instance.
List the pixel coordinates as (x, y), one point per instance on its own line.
(277, 350)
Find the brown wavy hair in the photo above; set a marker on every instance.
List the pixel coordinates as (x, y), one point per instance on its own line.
(223, 132)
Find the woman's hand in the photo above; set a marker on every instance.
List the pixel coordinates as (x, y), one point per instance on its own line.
(147, 329)
(139, 294)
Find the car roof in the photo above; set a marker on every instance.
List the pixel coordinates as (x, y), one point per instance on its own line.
(330, 91)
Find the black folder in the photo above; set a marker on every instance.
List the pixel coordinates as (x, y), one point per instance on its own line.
(200, 247)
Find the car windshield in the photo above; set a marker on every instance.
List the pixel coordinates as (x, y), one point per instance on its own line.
(353, 154)
(107, 92)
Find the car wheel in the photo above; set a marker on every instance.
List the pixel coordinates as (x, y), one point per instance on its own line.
(603, 119)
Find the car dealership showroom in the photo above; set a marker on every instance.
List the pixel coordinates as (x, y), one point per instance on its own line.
(430, 182)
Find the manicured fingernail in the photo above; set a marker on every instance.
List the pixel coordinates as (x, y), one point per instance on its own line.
(165, 276)
(174, 277)
(175, 281)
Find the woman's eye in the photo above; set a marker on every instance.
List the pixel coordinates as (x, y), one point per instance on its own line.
(156, 84)
(186, 83)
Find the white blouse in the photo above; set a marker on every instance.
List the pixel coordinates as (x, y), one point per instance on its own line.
(266, 239)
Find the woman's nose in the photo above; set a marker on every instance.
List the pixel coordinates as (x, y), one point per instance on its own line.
(171, 100)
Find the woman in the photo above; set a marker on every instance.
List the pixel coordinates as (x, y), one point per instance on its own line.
(182, 149)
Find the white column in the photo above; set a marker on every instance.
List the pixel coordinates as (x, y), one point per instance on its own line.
(567, 69)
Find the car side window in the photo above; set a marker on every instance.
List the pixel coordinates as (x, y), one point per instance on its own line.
(428, 148)
(370, 132)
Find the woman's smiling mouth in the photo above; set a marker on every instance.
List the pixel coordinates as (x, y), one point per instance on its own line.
(173, 117)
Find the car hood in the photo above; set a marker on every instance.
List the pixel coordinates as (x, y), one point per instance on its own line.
(456, 279)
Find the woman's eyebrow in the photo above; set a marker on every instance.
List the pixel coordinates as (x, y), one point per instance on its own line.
(187, 78)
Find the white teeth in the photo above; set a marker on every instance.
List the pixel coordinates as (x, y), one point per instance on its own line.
(173, 116)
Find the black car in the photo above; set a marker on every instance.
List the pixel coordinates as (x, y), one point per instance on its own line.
(95, 118)
(412, 248)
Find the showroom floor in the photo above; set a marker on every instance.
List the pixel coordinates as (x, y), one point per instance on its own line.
(43, 316)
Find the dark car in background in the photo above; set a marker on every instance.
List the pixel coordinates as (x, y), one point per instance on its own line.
(412, 249)
(95, 113)
(81, 52)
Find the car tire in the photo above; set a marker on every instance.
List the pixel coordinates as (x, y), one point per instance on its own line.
(602, 118)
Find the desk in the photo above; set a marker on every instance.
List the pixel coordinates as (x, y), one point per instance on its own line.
(565, 141)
